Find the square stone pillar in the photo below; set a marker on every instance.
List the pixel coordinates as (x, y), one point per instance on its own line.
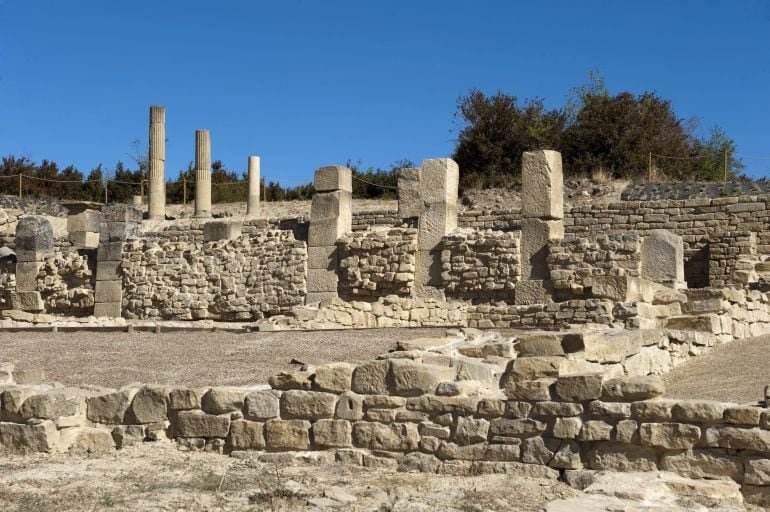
(34, 239)
(663, 258)
(83, 229)
(331, 217)
(119, 223)
(542, 209)
(439, 183)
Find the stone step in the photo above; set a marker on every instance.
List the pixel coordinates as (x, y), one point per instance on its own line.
(655, 311)
(705, 306)
(705, 323)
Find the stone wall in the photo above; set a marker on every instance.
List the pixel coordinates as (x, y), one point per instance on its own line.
(461, 406)
(576, 263)
(732, 257)
(377, 263)
(242, 279)
(498, 220)
(377, 218)
(66, 282)
(480, 265)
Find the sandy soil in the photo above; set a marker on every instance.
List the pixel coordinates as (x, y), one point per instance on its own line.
(735, 372)
(192, 359)
(159, 477)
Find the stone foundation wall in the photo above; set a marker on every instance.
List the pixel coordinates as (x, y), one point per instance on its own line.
(377, 263)
(732, 257)
(378, 218)
(498, 220)
(466, 407)
(66, 282)
(480, 264)
(242, 279)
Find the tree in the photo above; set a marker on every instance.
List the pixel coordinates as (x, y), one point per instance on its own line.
(496, 130)
(712, 162)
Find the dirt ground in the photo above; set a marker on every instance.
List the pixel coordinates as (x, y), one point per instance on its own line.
(735, 372)
(158, 477)
(191, 359)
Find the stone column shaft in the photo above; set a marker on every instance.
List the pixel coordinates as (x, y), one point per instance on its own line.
(202, 173)
(157, 188)
(252, 206)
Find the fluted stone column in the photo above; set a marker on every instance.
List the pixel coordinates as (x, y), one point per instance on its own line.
(157, 191)
(252, 206)
(202, 173)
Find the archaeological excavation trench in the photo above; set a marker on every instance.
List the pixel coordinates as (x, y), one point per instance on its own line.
(552, 327)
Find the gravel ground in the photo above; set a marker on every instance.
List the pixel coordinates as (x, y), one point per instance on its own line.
(735, 372)
(191, 359)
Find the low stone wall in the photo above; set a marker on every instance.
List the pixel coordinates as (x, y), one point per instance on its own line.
(377, 263)
(463, 406)
(576, 263)
(732, 257)
(66, 282)
(647, 191)
(378, 218)
(242, 279)
(498, 220)
(480, 264)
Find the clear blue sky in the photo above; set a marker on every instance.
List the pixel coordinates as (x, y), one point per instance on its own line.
(311, 83)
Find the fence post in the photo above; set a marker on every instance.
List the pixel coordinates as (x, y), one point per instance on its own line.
(649, 168)
(20, 175)
(184, 192)
(106, 183)
(725, 179)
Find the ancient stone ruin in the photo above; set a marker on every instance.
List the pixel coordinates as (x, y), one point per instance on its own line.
(603, 299)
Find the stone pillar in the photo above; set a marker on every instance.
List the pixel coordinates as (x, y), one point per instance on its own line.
(542, 210)
(663, 258)
(252, 206)
(119, 223)
(202, 173)
(439, 182)
(330, 218)
(157, 189)
(83, 229)
(409, 203)
(34, 239)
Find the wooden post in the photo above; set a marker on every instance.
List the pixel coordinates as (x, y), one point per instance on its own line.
(649, 168)
(725, 179)
(141, 189)
(184, 191)
(20, 184)
(105, 190)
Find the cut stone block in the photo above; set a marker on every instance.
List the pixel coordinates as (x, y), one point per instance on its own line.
(316, 297)
(26, 275)
(330, 218)
(439, 181)
(222, 230)
(34, 238)
(409, 201)
(663, 258)
(532, 292)
(542, 185)
(323, 257)
(333, 177)
(118, 231)
(108, 291)
(108, 270)
(121, 213)
(110, 251)
(436, 221)
(84, 239)
(26, 301)
(88, 220)
(536, 235)
(108, 310)
(319, 280)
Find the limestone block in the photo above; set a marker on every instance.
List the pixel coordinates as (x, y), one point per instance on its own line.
(52, 404)
(26, 275)
(349, 407)
(108, 271)
(17, 438)
(548, 344)
(409, 201)
(371, 378)
(595, 430)
(150, 405)
(612, 346)
(536, 235)
(705, 323)
(484, 452)
(698, 410)
(197, 423)
(617, 288)
(579, 388)
(29, 376)
(319, 280)
(108, 291)
(382, 436)
(630, 389)
(333, 177)
(333, 377)
(410, 378)
(121, 213)
(287, 435)
(180, 399)
(84, 239)
(26, 301)
(673, 436)
(739, 438)
(663, 257)
(542, 185)
(297, 404)
(34, 238)
(654, 410)
(530, 368)
(621, 457)
(118, 231)
(108, 310)
(110, 251)
(332, 434)
(706, 463)
(290, 380)
(222, 230)
(535, 390)
(757, 471)
(127, 435)
(436, 221)
(439, 181)
(331, 205)
(262, 405)
(111, 407)
(88, 221)
(537, 450)
(322, 257)
(567, 428)
(85, 440)
(247, 435)
(743, 415)
(516, 427)
(317, 297)
(222, 400)
(533, 291)
(470, 431)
